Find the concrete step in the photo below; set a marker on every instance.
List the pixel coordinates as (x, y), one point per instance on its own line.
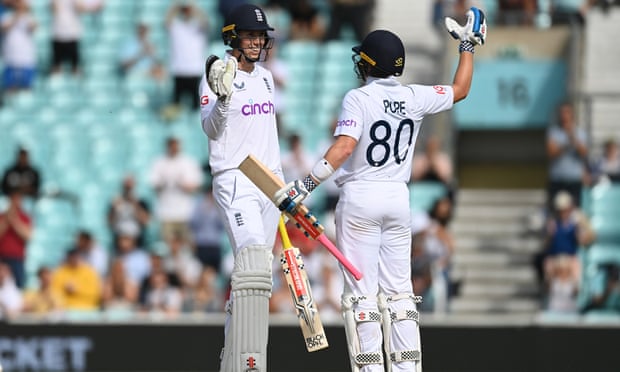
(498, 290)
(499, 276)
(482, 197)
(484, 212)
(505, 305)
(490, 259)
(487, 228)
(507, 244)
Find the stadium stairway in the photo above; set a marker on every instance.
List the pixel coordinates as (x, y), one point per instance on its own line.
(601, 77)
(494, 251)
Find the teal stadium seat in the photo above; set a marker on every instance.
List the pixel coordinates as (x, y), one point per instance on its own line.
(423, 194)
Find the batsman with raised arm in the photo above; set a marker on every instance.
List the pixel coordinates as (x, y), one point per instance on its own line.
(238, 116)
(372, 153)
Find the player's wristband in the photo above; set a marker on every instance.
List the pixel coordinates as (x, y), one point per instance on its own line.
(309, 183)
(466, 46)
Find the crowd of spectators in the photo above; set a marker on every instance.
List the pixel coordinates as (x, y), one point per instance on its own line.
(186, 268)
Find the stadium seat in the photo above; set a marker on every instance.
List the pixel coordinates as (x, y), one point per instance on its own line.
(424, 194)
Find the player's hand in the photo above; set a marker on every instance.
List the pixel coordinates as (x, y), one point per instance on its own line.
(220, 75)
(474, 31)
(288, 197)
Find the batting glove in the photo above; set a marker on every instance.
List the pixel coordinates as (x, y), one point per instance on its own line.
(474, 31)
(220, 75)
(290, 196)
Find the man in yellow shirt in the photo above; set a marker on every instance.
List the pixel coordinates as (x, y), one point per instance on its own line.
(77, 284)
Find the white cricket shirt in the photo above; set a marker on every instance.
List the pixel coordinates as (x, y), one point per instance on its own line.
(385, 116)
(250, 126)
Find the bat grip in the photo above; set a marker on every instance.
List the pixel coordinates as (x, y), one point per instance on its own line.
(339, 256)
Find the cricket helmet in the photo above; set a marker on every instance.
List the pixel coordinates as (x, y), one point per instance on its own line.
(247, 17)
(381, 53)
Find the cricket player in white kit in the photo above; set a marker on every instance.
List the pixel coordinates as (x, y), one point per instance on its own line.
(373, 150)
(238, 116)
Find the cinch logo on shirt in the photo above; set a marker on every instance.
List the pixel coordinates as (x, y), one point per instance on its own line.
(258, 108)
(346, 123)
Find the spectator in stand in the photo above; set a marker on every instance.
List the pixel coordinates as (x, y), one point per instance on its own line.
(19, 53)
(181, 262)
(206, 296)
(77, 283)
(562, 286)
(440, 247)
(296, 161)
(92, 253)
(277, 11)
(67, 31)
(11, 300)
(207, 230)
(15, 231)
(456, 9)
(22, 176)
(433, 164)
(136, 261)
(516, 12)
(119, 293)
(567, 152)
(421, 260)
(138, 55)
(128, 214)
(42, 300)
(162, 297)
(570, 11)
(607, 167)
(175, 178)
(568, 229)
(306, 22)
(187, 29)
(355, 13)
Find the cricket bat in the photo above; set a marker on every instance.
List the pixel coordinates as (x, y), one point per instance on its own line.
(269, 183)
(299, 285)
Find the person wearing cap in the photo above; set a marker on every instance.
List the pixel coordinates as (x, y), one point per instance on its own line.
(567, 230)
(238, 115)
(372, 153)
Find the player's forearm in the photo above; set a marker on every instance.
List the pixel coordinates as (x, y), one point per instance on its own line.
(340, 151)
(215, 123)
(463, 76)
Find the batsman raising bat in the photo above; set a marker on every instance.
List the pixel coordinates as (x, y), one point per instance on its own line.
(238, 116)
(372, 153)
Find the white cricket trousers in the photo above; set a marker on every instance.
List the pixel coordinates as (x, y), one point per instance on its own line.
(373, 229)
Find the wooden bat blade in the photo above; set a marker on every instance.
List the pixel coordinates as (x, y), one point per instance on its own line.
(269, 183)
(307, 312)
(299, 285)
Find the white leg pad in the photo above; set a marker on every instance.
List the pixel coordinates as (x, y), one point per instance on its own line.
(401, 331)
(245, 347)
(363, 330)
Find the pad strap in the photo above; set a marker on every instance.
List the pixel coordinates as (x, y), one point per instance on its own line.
(367, 316)
(369, 358)
(405, 315)
(405, 356)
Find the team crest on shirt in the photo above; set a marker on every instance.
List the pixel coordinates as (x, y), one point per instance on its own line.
(267, 84)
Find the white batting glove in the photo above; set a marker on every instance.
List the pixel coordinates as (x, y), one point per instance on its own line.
(474, 31)
(220, 76)
(291, 195)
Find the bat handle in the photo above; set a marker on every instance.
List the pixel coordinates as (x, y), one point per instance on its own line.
(339, 256)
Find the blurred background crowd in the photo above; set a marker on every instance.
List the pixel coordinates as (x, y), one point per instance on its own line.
(106, 205)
